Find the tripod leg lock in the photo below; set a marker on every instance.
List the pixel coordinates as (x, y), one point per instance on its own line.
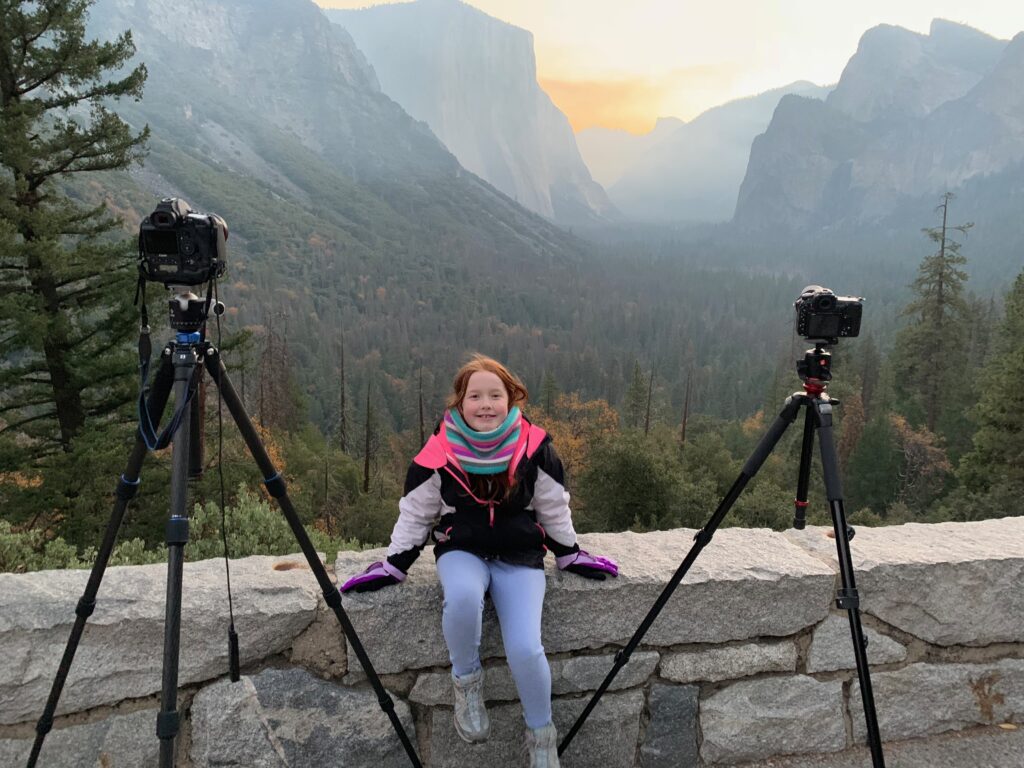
(275, 486)
(847, 599)
(167, 724)
(85, 608)
(703, 537)
(177, 531)
(333, 599)
(126, 489)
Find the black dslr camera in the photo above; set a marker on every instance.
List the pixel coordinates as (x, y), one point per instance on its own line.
(178, 246)
(820, 314)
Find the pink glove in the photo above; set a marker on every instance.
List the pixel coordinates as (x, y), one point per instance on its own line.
(587, 565)
(373, 578)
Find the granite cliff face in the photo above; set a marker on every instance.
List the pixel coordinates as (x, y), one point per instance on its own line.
(280, 61)
(694, 172)
(912, 117)
(473, 80)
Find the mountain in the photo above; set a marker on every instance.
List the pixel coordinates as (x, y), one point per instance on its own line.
(609, 153)
(913, 116)
(346, 215)
(694, 172)
(473, 80)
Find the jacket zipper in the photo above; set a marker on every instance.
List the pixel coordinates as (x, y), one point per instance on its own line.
(491, 508)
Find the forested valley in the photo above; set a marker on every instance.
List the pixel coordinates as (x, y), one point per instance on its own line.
(655, 357)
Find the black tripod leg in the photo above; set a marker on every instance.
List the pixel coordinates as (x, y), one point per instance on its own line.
(276, 486)
(701, 540)
(127, 486)
(848, 599)
(804, 475)
(168, 719)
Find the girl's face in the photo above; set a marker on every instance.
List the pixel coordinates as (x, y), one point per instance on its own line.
(485, 405)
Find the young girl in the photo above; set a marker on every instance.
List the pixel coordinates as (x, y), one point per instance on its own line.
(488, 490)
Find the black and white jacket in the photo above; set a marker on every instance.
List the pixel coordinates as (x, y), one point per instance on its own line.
(437, 507)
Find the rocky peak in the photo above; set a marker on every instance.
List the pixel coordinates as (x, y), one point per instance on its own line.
(897, 74)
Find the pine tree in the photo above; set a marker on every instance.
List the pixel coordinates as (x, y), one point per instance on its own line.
(647, 408)
(636, 397)
(368, 443)
(930, 354)
(995, 465)
(342, 405)
(63, 317)
(686, 410)
(870, 368)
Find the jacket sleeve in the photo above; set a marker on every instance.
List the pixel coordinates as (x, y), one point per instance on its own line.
(551, 503)
(418, 510)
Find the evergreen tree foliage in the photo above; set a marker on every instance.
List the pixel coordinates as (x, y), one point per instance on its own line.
(870, 370)
(992, 473)
(931, 353)
(66, 283)
(636, 397)
(631, 483)
(65, 286)
(872, 473)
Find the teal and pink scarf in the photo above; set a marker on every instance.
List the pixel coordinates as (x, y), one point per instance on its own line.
(483, 453)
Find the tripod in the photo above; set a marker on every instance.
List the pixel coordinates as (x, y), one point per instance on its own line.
(815, 371)
(181, 365)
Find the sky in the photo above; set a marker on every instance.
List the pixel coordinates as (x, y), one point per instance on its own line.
(624, 63)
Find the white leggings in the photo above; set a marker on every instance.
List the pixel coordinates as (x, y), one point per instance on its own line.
(518, 596)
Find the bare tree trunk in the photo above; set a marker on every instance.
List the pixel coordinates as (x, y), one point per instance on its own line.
(366, 447)
(647, 417)
(686, 409)
(423, 431)
(932, 404)
(342, 418)
(67, 396)
(327, 464)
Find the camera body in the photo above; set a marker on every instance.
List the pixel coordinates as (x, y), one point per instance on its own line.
(178, 246)
(820, 314)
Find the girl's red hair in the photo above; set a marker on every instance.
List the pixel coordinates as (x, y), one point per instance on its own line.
(517, 394)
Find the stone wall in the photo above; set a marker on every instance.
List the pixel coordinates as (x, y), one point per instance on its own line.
(748, 660)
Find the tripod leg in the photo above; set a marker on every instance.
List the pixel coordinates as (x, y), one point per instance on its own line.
(168, 720)
(276, 487)
(804, 475)
(701, 540)
(127, 486)
(848, 599)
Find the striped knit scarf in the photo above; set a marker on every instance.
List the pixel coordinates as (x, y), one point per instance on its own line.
(483, 453)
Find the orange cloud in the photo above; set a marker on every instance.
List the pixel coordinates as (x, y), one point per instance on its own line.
(623, 104)
(634, 103)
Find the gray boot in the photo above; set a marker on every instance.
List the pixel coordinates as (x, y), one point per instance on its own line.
(471, 719)
(543, 745)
